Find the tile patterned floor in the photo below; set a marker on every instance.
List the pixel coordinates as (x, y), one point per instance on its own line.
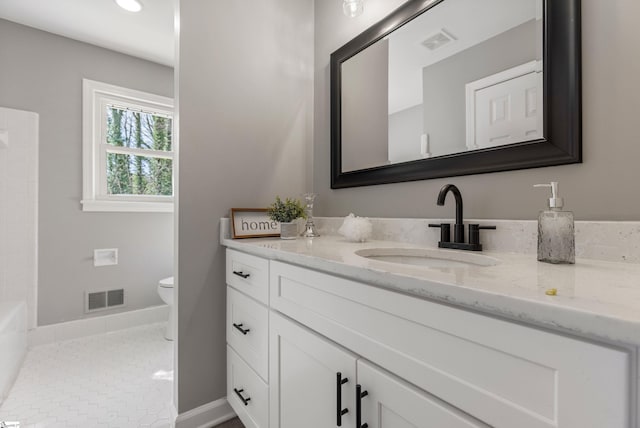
(122, 379)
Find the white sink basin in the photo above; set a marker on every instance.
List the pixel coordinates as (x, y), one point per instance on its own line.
(428, 257)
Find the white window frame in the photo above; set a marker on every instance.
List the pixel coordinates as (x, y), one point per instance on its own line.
(96, 96)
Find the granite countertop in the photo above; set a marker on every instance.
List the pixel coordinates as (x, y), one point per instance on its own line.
(595, 299)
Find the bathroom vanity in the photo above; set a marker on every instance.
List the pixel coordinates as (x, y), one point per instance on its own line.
(319, 335)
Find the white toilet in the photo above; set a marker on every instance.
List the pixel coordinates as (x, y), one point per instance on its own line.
(165, 290)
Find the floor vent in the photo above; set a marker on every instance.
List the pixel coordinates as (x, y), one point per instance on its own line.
(101, 300)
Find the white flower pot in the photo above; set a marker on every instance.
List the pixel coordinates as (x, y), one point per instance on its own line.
(289, 230)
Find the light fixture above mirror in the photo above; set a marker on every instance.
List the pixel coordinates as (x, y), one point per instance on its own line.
(353, 8)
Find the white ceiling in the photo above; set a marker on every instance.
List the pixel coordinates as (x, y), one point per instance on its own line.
(148, 34)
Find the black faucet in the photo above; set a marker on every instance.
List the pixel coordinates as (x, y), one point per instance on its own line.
(458, 228)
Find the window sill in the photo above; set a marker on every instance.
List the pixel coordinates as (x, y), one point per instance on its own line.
(126, 206)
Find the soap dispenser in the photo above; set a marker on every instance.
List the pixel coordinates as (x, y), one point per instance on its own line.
(556, 237)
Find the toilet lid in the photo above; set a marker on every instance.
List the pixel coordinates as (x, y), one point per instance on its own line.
(167, 282)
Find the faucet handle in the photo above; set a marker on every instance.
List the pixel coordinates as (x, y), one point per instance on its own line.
(474, 233)
(445, 231)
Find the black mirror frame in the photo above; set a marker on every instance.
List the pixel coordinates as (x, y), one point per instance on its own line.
(562, 122)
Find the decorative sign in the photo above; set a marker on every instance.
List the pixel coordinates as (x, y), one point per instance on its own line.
(253, 223)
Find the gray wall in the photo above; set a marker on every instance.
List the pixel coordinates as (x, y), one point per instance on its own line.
(405, 134)
(365, 130)
(245, 99)
(444, 83)
(604, 187)
(43, 73)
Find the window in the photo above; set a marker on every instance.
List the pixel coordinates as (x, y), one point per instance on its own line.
(127, 149)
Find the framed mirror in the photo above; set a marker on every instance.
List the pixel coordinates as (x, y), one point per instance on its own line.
(442, 88)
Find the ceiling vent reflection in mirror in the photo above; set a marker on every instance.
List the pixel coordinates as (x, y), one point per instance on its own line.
(438, 40)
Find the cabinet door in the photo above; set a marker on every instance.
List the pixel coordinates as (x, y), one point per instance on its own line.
(304, 388)
(389, 402)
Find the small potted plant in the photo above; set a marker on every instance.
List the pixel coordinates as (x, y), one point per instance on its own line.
(286, 212)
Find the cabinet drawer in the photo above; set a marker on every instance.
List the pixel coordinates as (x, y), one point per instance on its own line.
(248, 330)
(244, 384)
(249, 274)
(502, 373)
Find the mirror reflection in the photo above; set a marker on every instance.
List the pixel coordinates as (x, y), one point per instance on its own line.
(465, 75)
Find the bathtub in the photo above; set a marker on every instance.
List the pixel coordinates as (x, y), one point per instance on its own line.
(13, 342)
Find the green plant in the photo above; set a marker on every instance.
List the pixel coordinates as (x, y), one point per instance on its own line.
(286, 211)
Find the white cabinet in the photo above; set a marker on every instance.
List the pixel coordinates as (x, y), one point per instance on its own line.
(388, 402)
(248, 330)
(423, 364)
(249, 274)
(248, 338)
(316, 383)
(247, 394)
(502, 373)
(305, 391)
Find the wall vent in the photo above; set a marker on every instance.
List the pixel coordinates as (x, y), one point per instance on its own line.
(96, 301)
(102, 300)
(115, 297)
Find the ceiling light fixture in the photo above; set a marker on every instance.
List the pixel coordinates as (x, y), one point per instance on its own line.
(130, 5)
(353, 8)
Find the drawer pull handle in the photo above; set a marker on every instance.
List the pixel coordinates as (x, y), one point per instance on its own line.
(241, 274)
(359, 395)
(242, 330)
(340, 411)
(239, 394)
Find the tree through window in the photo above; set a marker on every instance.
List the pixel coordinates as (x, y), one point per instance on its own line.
(146, 170)
(128, 145)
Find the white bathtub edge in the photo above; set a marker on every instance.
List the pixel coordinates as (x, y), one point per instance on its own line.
(13, 342)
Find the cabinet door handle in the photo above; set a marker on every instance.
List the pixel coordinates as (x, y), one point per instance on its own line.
(340, 411)
(241, 274)
(239, 394)
(242, 330)
(359, 395)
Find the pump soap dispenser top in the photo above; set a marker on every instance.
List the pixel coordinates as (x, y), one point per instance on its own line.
(556, 237)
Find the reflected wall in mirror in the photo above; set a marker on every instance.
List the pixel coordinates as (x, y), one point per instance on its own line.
(452, 87)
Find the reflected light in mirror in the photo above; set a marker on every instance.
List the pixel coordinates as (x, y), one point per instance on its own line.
(130, 5)
(353, 8)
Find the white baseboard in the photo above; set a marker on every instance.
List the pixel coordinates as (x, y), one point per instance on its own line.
(97, 325)
(206, 416)
(173, 413)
